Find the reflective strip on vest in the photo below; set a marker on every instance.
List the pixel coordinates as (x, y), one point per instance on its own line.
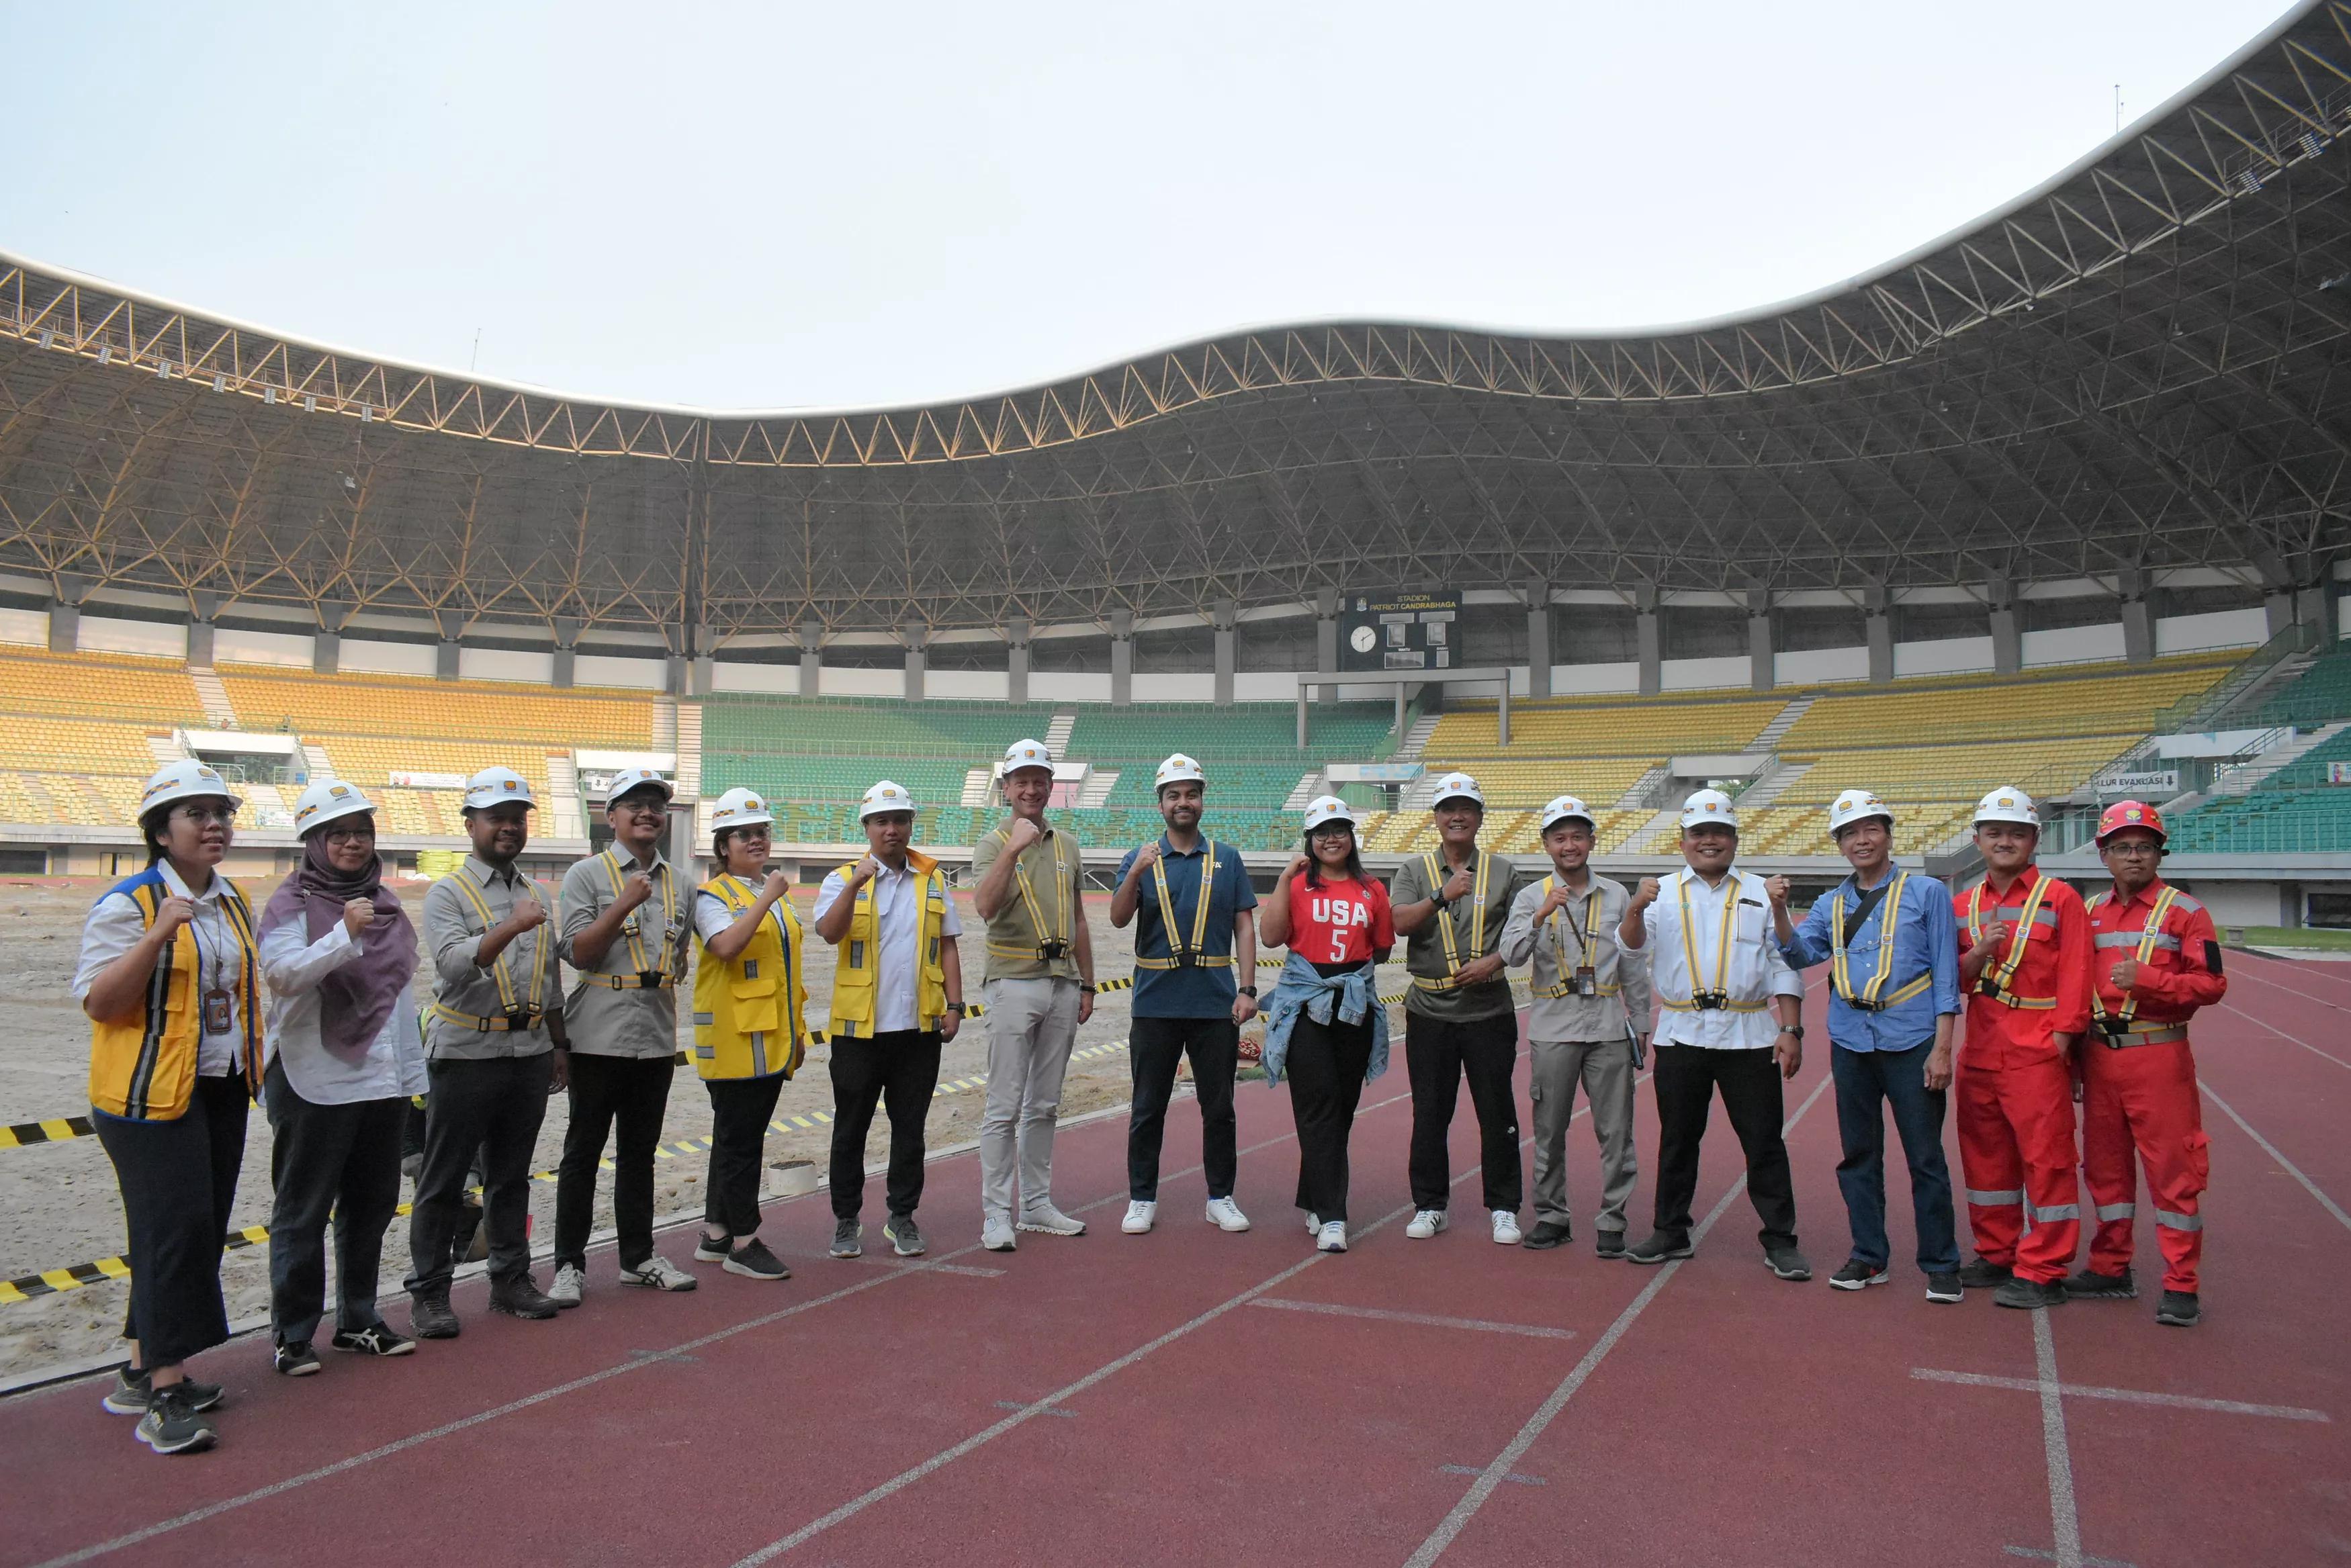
(2007, 1199)
(2164, 941)
(2171, 1221)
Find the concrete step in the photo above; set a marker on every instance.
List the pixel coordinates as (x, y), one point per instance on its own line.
(976, 782)
(2247, 777)
(1302, 795)
(1782, 722)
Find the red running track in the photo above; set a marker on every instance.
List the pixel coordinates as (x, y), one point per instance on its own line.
(1193, 1397)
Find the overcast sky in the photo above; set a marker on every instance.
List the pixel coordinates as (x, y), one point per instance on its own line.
(768, 206)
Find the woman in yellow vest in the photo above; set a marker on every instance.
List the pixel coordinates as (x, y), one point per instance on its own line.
(170, 978)
(748, 1034)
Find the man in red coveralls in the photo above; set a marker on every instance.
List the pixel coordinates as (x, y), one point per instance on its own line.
(2024, 962)
(2155, 960)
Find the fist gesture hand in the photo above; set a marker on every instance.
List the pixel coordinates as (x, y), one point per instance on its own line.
(2125, 974)
(776, 887)
(1647, 893)
(1776, 890)
(1024, 833)
(1296, 867)
(359, 914)
(173, 913)
(1458, 885)
(868, 869)
(1146, 857)
(1552, 902)
(531, 914)
(635, 891)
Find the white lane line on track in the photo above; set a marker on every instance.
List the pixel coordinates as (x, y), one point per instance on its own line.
(1495, 1473)
(2260, 979)
(2294, 1039)
(2065, 1517)
(2127, 1396)
(2271, 1150)
(1429, 1320)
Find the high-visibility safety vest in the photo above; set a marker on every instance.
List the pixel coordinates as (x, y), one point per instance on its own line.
(1993, 983)
(1433, 872)
(748, 1008)
(521, 1012)
(857, 969)
(2117, 1027)
(142, 1066)
(1703, 998)
(654, 961)
(1870, 995)
(1182, 954)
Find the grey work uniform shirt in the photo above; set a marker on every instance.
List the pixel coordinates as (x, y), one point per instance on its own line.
(1477, 932)
(641, 1020)
(1578, 932)
(454, 929)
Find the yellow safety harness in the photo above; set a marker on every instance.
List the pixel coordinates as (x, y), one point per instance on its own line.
(1994, 982)
(1715, 998)
(1872, 997)
(2117, 1027)
(519, 1014)
(1586, 958)
(1057, 946)
(648, 977)
(1433, 871)
(1186, 955)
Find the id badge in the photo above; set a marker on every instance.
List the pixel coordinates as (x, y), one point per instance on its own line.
(1587, 981)
(218, 1013)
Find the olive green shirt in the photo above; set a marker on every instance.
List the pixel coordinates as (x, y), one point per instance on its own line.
(1477, 931)
(1042, 904)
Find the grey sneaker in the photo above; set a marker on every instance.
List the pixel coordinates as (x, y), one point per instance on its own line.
(995, 1234)
(571, 1284)
(172, 1424)
(753, 1261)
(845, 1239)
(132, 1393)
(1051, 1222)
(904, 1239)
(1788, 1263)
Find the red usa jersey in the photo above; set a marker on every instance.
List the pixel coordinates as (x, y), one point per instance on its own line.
(1338, 922)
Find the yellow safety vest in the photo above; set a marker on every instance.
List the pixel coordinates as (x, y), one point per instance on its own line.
(1703, 998)
(1871, 995)
(1433, 872)
(2145, 945)
(748, 1008)
(520, 1014)
(142, 1066)
(1994, 979)
(857, 972)
(1586, 950)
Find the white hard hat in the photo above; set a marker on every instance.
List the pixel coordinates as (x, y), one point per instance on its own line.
(629, 779)
(184, 780)
(1565, 806)
(2008, 804)
(885, 796)
(1177, 768)
(493, 786)
(1325, 808)
(1709, 805)
(1027, 755)
(325, 801)
(1855, 805)
(739, 809)
(1454, 786)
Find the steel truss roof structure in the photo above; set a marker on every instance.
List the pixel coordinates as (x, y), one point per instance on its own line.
(2141, 365)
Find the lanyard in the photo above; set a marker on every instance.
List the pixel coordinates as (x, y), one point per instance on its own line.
(1721, 986)
(1445, 917)
(1842, 975)
(1200, 906)
(1585, 955)
(502, 967)
(2005, 970)
(669, 910)
(2147, 936)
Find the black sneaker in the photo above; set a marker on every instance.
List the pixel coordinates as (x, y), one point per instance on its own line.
(431, 1318)
(1547, 1234)
(132, 1394)
(845, 1242)
(1788, 1263)
(1944, 1288)
(710, 1249)
(295, 1359)
(375, 1339)
(1609, 1243)
(1657, 1249)
(520, 1297)
(753, 1261)
(904, 1239)
(2179, 1309)
(1981, 1276)
(2090, 1285)
(171, 1426)
(2025, 1295)
(1857, 1275)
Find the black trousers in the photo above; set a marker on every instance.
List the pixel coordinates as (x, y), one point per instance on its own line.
(1438, 1055)
(1325, 1070)
(492, 1107)
(622, 1099)
(341, 1161)
(899, 1070)
(1686, 1079)
(179, 1181)
(741, 1109)
(1156, 1045)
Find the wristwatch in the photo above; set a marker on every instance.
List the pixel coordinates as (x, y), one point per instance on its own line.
(1795, 1029)
(1088, 988)
(1247, 991)
(956, 1008)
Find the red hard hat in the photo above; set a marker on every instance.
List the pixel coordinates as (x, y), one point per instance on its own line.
(2131, 814)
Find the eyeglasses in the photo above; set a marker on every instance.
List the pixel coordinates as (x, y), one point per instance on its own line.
(349, 834)
(2134, 846)
(203, 816)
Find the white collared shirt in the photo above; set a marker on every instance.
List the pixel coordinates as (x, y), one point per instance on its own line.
(114, 927)
(1756, 970)
(898, 927)
(393, 1063)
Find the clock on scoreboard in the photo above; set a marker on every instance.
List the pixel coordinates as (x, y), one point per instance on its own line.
(1399, 631)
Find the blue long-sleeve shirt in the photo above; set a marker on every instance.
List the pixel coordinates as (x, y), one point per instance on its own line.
(1926, 942)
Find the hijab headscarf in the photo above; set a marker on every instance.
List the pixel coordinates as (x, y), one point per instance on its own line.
(356, 998)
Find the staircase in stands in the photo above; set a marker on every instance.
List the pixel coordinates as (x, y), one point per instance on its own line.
(1782, 722)
(1417, 739)
(218, 711)
(1057, 733)
(2246, 776)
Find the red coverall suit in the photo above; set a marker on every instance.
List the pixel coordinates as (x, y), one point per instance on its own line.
(2138, 1087)
(2014, 1088)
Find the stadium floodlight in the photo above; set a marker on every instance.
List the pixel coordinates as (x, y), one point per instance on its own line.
(219, 382)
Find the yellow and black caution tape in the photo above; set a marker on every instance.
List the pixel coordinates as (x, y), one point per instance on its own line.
(59, 1129)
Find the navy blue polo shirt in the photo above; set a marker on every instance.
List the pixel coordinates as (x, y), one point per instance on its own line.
(1204, 991)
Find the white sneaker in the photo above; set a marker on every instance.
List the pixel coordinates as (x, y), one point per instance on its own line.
(995, 1234)
(1226, 1215)
(1331, 1237)
(1314, 1224)
(1506, 1228)
(1051, 1222)
(569, 1283)
(658, 1274)
(1139, 1216)
(1427, 1222)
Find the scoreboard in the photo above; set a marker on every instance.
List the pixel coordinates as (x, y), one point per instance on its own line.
(1400, 631)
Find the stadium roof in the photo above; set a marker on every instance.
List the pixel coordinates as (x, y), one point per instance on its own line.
(2140, 364)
